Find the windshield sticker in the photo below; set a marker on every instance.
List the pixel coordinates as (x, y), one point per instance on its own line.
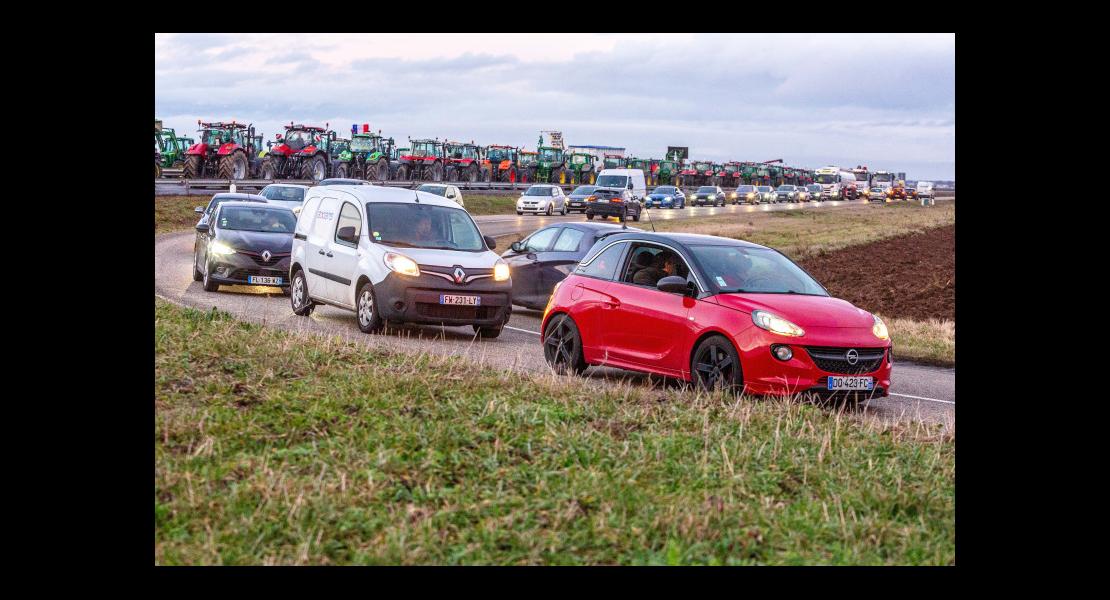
(721, 281)
(377, 236)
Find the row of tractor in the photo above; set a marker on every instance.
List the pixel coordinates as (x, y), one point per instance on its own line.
(233, 150)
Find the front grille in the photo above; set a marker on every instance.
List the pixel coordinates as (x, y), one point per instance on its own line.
(257, 257)
(244, 273)
(450, 311)
(834, 360)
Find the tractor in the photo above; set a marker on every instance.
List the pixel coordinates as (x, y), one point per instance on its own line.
(529, 162)
(225, 151)
(169, 150)
(336, 149)
(581, 165)
(551, 165)
(501, 163)
(668, 172)
(614, 161)
(645, 165)
(302, 153)
(703, 173)
(424, 162)
(464, 161)
(732, 171)
(368, 157)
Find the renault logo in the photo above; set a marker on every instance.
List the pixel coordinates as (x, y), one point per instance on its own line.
(852, 356)
(459, 275)
(266, 255)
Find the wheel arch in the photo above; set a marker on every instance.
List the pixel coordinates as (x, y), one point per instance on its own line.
(708, 333)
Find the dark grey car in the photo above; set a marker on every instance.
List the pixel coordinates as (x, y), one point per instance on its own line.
(576, 200)
(548, 255)
(244, 243)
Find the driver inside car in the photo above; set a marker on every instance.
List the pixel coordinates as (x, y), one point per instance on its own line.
(663, 265)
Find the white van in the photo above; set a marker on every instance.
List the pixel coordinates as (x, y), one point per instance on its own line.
(925, 188)
(624, 179)
(397, 255)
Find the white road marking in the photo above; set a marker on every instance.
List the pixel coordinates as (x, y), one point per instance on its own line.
(922, 398)
(522, 330)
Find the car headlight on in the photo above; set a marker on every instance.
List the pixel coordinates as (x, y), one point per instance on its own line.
(712, 196)
(776, 324)
(668, 199)
(399, 263)
(879, 329)
(500, 271)
(220, 249)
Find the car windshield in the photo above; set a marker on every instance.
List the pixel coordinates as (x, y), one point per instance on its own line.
(764, 188)
(218, 200)
(827, 178)
(282, 193)
(537, 190)
(786, 188)
(745, 188)
(272, 220)
(883, 177)
(582, 190)
(439, 190)
(612, 181)
(663, 190)
(706, 189)
(738, 269)
(420, 225)
(813, 187)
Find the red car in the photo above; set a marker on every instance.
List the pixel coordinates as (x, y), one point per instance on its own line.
(715, 311)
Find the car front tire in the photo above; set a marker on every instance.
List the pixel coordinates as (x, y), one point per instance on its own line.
(369, 319)
(209, 284)
(562, 346)
(716, 365)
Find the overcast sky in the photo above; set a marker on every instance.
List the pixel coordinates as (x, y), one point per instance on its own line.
(886, 101)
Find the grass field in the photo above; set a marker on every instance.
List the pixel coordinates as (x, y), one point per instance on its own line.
(273, 448)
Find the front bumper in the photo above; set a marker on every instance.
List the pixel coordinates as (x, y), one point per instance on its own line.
(576, 205)
(659, 202)
(532, 208)
(416, 300)
(235, 269)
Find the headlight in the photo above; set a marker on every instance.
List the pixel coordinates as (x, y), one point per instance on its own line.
(668, 199)
(879, 329)
(220, 248)
(712, 196)
(399, 263)
(776, 324)
(500, 271)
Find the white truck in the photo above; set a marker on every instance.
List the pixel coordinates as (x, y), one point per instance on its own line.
(836, 183)
(882, 179)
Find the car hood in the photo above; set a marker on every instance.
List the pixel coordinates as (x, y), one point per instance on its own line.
(805, 311)
(448, 258)
(257, 241)
(661, 196)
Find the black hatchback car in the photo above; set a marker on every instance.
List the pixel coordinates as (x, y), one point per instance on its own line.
(548, 255)
(244, 243)
(609, 202)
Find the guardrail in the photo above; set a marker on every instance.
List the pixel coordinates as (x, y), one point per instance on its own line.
(185, 185)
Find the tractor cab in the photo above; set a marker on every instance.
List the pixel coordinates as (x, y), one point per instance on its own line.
(498, 154)
(614, 161)
(426, 148)
(458, 151)
(529, 159)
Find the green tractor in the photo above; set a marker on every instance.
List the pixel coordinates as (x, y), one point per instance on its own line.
(367, 156)
(169, 150)
(581, 165)
(550, 165)
(529, 161)
(668, 172)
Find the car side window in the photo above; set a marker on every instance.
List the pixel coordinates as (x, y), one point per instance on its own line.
(604, 265)
(348, 217)
(568, 240)
(541, 240)
(554, 191)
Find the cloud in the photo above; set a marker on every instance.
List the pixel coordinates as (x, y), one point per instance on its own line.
(883, 100)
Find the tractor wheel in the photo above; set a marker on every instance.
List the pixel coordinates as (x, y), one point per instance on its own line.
(559, 176)
(191, 168)
(487, 174)
(233, 166)
(437, 171)
(512, 175)
(270, 168)
(593, 177)
(450, 173)
(343, 171)
(315, 168)
(472, 173)
(382, 170)
(403, 172)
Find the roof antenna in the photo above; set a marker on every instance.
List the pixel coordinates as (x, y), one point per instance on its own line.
(417, 195)
(650, 222)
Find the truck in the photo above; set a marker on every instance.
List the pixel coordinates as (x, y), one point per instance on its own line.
(834, 181)
(882, 179)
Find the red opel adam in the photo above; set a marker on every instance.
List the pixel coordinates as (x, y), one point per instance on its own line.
(715, 311)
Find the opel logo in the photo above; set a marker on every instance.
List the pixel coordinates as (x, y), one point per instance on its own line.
(459, 274)
(852, 356)
(266, 255)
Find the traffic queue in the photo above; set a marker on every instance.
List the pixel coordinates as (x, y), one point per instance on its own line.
(714, 311)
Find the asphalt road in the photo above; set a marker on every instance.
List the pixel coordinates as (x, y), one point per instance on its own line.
(918, 391)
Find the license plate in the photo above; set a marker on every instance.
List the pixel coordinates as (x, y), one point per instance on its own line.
(576, 204)
(851, 383)
(602, 199)
(258, 280)
(463, 300)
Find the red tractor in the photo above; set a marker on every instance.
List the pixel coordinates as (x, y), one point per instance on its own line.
(423, 162)
(303, 153)
(225, 151)
(463, 161)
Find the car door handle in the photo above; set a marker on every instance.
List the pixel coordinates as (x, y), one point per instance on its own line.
(321, 251)
(612, 303)
(329, 254)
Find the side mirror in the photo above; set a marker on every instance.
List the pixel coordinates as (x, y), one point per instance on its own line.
(629, 186)
(516, 247)
(672, 284)
(490, 242)
(199, 209)
(202, 227)
(347, 234)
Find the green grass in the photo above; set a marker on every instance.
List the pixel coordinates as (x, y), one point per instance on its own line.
(488, 204)
(174, 213)
(931, 342)
(804, 231)
(273, 448)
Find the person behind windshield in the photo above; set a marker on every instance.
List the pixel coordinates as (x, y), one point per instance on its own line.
(274, 221)
(423, 232)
